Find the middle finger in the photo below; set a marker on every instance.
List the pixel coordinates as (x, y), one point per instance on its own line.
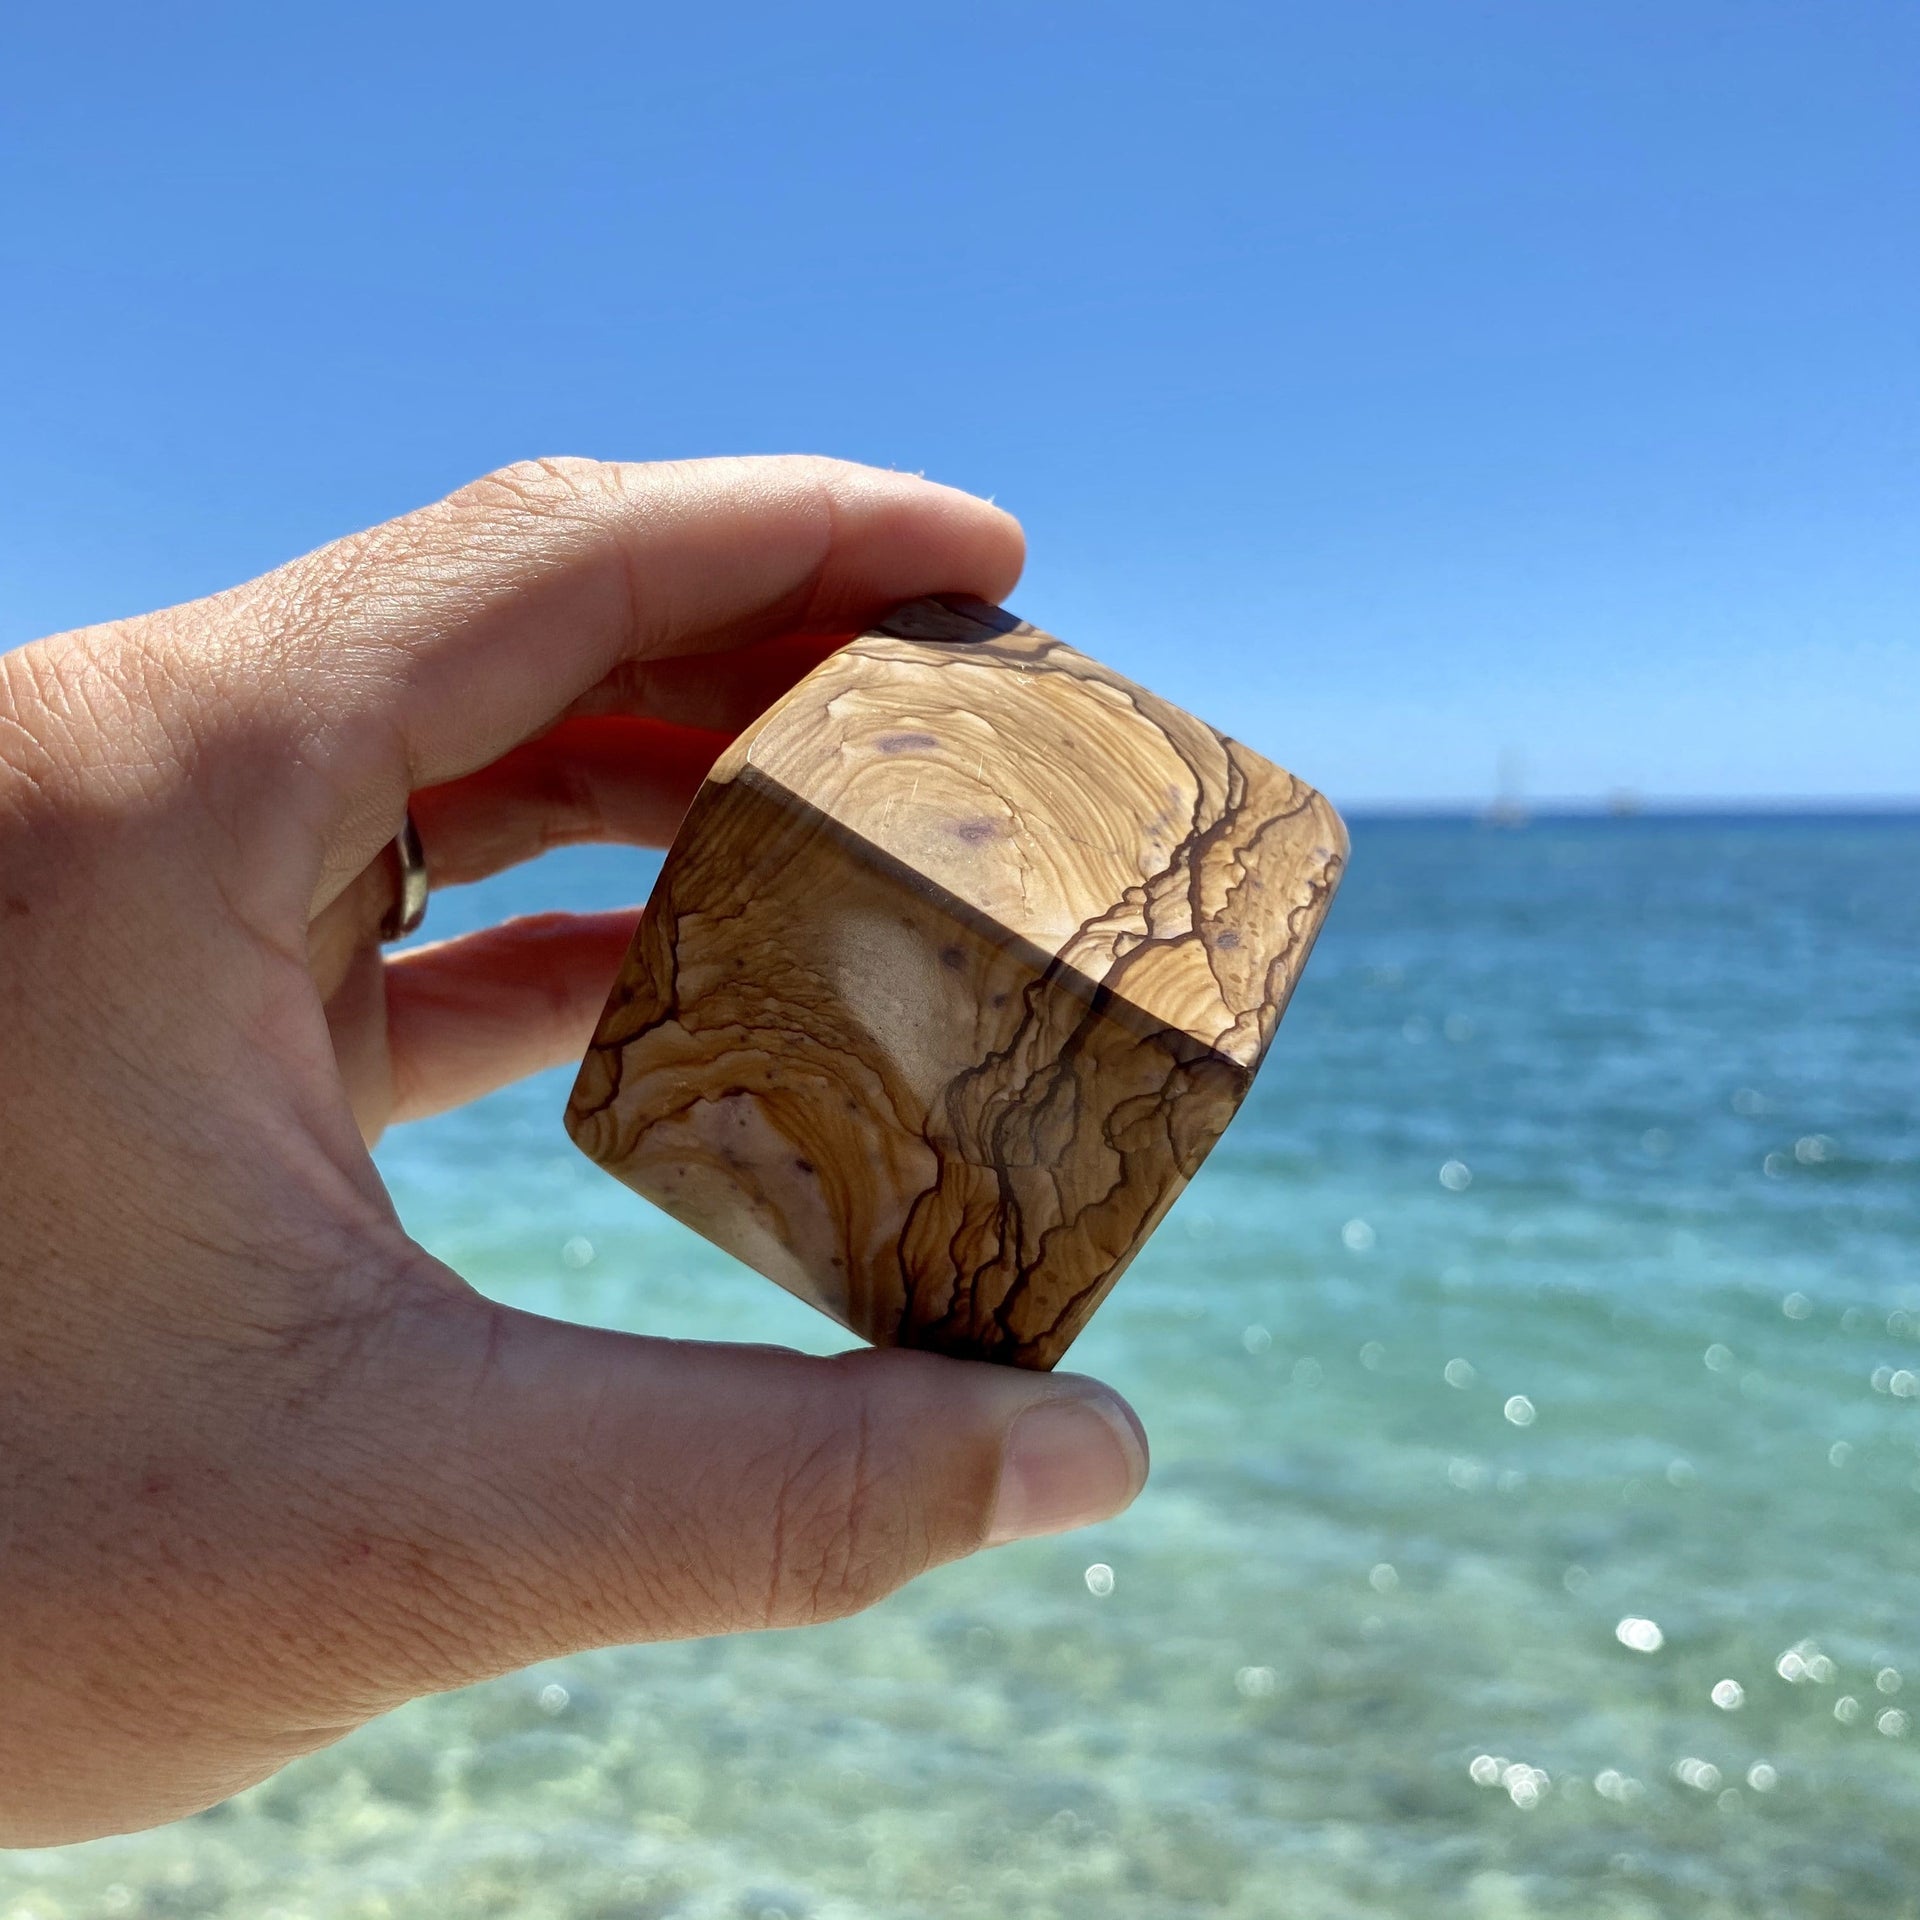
(600, 778)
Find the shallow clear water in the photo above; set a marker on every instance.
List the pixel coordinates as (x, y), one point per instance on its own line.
(1563, 1271)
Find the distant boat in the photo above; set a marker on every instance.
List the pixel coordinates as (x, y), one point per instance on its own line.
(1508, 808)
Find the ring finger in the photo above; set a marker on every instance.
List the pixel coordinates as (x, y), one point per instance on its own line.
(609, 779)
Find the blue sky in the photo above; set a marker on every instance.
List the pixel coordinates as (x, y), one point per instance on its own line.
(1395, 384)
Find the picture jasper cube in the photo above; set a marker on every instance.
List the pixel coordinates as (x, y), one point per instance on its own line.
(964, 957)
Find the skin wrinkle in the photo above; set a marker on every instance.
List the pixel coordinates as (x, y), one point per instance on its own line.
(74, 698)
(846, 1568)
(22, 752)
(828, 1487)
(636, 601)
(777, 1542)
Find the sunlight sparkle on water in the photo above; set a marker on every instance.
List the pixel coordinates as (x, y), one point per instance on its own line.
(1524, 1785)
(1805, 1662)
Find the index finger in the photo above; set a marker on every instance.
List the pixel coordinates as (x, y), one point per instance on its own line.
(424, 649)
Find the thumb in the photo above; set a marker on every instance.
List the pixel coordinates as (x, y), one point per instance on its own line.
(560, 1487)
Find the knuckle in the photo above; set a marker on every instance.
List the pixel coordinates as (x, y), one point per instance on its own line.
(546, 489)
(318, 592)
(98, 707)
(842, 1538)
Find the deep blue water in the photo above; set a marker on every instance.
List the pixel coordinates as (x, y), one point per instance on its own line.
(1562, 1273)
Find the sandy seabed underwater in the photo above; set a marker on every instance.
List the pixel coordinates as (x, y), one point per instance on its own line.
(1534, 1382)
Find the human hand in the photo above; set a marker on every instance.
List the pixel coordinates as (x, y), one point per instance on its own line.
(266, 1467)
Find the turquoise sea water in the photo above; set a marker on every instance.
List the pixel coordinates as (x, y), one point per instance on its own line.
(1562, 1274)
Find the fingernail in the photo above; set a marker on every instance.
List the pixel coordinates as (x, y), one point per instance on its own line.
(1076, 1457)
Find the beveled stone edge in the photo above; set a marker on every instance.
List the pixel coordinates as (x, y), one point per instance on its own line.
(1182, 1046)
